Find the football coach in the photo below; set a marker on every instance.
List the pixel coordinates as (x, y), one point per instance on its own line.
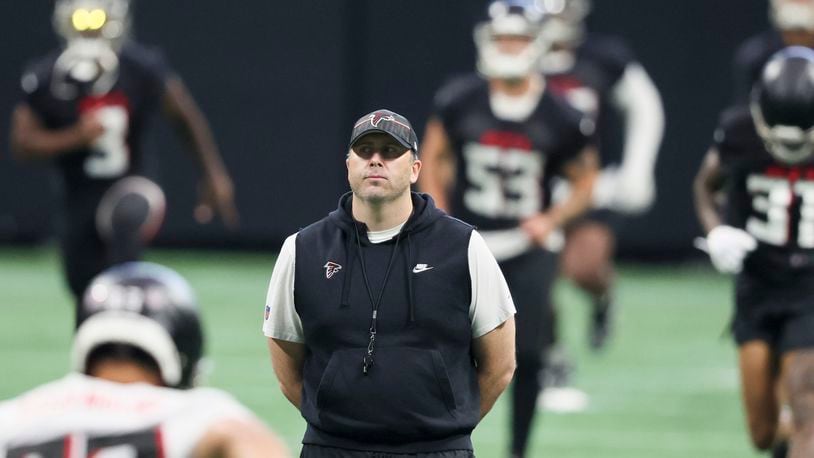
(389, 323)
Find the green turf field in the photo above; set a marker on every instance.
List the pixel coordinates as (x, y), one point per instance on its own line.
(667, 387)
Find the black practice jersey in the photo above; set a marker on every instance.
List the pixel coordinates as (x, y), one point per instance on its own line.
(124, 112)
(504, 167)
(772, 201)
(599, 64)
(750, 58)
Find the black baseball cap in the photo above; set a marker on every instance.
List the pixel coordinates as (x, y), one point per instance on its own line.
(388, 122)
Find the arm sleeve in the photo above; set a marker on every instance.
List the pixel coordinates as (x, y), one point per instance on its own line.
(491, 301)
(636, 97)
(281, 318)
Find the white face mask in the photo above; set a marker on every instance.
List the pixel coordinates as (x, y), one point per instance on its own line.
(493, 63)
(791, 15)
(788, 144)
(85, 61)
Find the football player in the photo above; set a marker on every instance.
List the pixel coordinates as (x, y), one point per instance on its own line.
(135, 357)
(754, 195)
(490, 150)
(793, 25)
(600, 76)
(85, 109)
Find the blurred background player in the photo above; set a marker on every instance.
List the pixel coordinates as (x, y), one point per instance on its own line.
(793, 25)
(600, 77)
(135, 354)
(490, 150)
(85, 108)
(761, 166)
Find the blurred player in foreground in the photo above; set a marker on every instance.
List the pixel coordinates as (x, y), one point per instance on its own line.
(490, 151)
(793, 25)
(85, 108)
(600, 77)
(761, 167)
(135, 354)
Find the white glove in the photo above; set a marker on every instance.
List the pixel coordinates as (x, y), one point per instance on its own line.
(623, 190)
(728, 246)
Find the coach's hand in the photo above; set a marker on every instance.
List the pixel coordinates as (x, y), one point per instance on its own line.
(728, 246)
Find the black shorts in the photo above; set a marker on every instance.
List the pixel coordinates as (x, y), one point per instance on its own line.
(319, 451)
(784, 331)
(778, 313)
(531, 277)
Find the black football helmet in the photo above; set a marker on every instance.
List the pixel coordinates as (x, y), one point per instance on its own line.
(782, 105)
(148, 306)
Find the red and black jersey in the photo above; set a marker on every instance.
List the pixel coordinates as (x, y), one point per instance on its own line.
(504, 167)
(124, 110)
(599, 64)
(771, 200)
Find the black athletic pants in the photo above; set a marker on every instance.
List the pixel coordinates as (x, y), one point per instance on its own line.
(530, 277)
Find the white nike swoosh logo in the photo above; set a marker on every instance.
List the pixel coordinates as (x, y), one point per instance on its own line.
(417, 270)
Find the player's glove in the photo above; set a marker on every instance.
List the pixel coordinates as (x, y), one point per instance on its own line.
(623, 190)
(728, 246)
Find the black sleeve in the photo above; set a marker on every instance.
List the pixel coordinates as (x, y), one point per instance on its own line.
(614, 54)
(34, 84)
(153, 66)
(449, 99)
(575, 132)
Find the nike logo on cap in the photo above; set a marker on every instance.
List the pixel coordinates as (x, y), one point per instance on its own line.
(421, 268)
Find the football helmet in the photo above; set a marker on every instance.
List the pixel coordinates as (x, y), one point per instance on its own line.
(148, 306)
(93, 31)
(108, 20)
(782, 105)
(510, 18)
(792, 15)
(564, 19)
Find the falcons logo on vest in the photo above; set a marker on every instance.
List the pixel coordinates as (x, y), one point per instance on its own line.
(331, 268)
(378, 117)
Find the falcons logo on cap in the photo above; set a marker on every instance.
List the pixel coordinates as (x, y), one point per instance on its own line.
(331, 268)
(378, 117)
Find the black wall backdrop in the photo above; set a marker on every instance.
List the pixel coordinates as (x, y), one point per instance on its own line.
(281, 83)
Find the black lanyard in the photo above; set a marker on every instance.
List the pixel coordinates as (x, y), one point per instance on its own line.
(367, 361)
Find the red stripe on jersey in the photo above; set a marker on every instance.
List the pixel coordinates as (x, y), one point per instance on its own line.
(67, 448)
(93, 102)
(505, 139)
(561, 84)
(159, 443)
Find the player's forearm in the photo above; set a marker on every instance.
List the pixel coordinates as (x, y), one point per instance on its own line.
(431, 183)
(705, 207)
(38, 144)
(705, 187)
(577, 202)
(193, 127)
(30, 142)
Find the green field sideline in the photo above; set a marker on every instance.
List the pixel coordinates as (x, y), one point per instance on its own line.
(667, 387)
